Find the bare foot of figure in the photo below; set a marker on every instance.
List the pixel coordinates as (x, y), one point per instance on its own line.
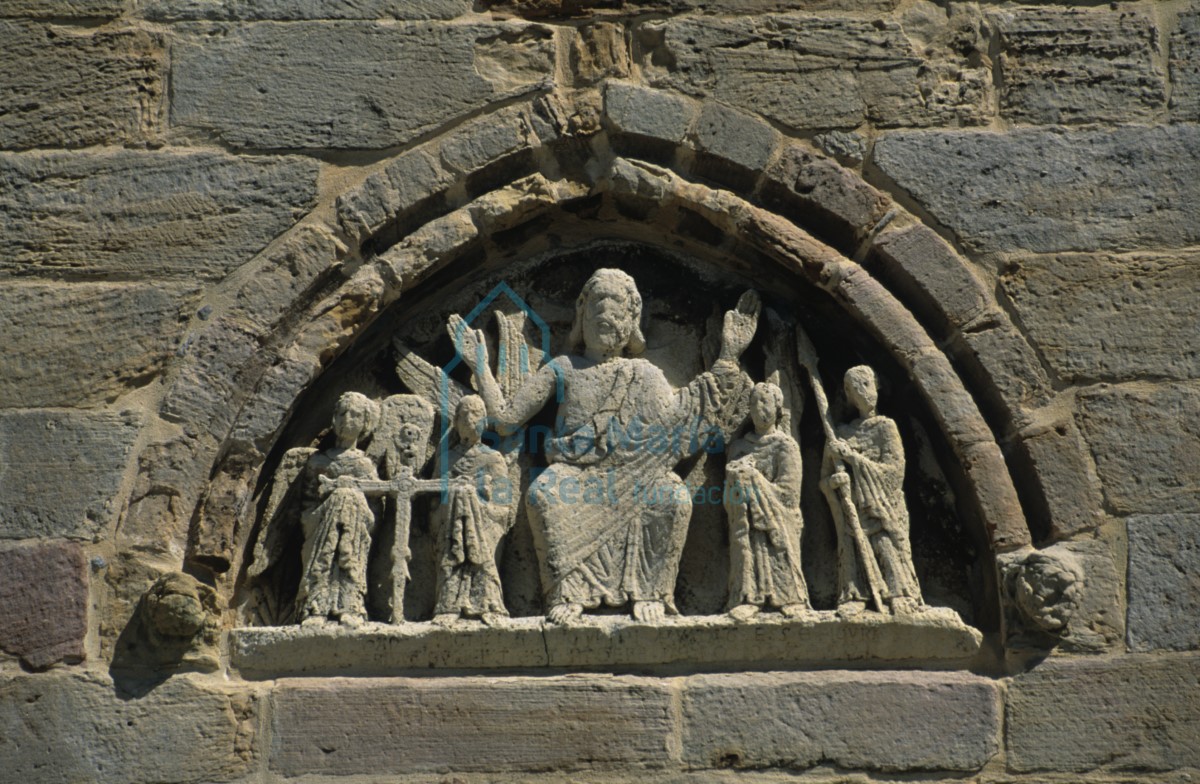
(797, 610)
(351, 621)
(744, 612)
(649, 612)
(445, 619)
(851, 609)
(564, 613)
(493, 619)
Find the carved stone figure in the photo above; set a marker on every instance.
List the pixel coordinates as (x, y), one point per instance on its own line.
(470, 524)
(762, 500)
(609, 514)
(863, 478)
(337, 531)
(335, 517)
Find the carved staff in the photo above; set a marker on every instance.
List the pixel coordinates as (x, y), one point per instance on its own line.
(401, 489)
(807, 355)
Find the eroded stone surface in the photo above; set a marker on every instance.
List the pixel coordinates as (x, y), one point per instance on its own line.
(1079, 65)
(698, 641)
(55, 728)
(344, 726)
(1146, 442)
(1047, 190)
(282, 10)
(1164, 582)
(63, 87)
(64, 8)
(128, 213)
(814, 71)
(882, 721)
(61, 471)
(1104, 317)
(389, 84)
(1185, 67)
(1129, 713)
(84, 343)
(43, 603)
(935, 278)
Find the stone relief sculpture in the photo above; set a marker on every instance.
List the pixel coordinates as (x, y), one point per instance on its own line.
(762, 501)
(621, 429)
(332, 496)
(608, 510)
(862, 478)
(469, 524)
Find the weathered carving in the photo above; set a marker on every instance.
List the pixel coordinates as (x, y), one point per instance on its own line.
(609, 513)
(762, 500)
(470, 523)
(1065, 596)
(175, 627)
(601, 501)
(862, 477)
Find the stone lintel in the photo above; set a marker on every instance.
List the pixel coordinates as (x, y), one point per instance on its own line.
(604, 642)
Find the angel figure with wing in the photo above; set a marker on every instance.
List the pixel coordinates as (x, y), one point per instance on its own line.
(336, 518)
(334, 495)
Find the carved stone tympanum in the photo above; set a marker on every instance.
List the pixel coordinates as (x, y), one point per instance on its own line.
(628, 464)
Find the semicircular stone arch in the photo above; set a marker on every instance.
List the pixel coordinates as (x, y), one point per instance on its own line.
(698, 176)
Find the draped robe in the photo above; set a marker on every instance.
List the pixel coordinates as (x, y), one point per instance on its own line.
(609, 514)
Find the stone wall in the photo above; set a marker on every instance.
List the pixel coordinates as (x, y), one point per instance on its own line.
(205, 203)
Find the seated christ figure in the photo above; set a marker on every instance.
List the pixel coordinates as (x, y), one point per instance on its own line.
(609, 514)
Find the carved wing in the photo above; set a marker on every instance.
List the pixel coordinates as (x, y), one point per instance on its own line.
(424, 378)
(515, 359)
(286, 491)
(782, 370)
(403, 435)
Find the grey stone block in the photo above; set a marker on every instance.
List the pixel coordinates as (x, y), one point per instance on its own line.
(62, 87)
(1146, 442)
(485, 141)
(654, 113)
(1009, 368)
(815, 71)
(61, 471)
(1164, 582)
(829, 196)
(43, 603)
(63, 9)
(1104, 317)
(55, 728)
(406, 182)
(283, 10)
(294, 266)
(275, 86)
(1064, 65)
(1185, 68)
(1136, 713)
(735, 137)
(78, 344)
(1069, 485)
(933, 277)
(399, 725)
(127, 213)
(1047, 190)
(891, 721)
